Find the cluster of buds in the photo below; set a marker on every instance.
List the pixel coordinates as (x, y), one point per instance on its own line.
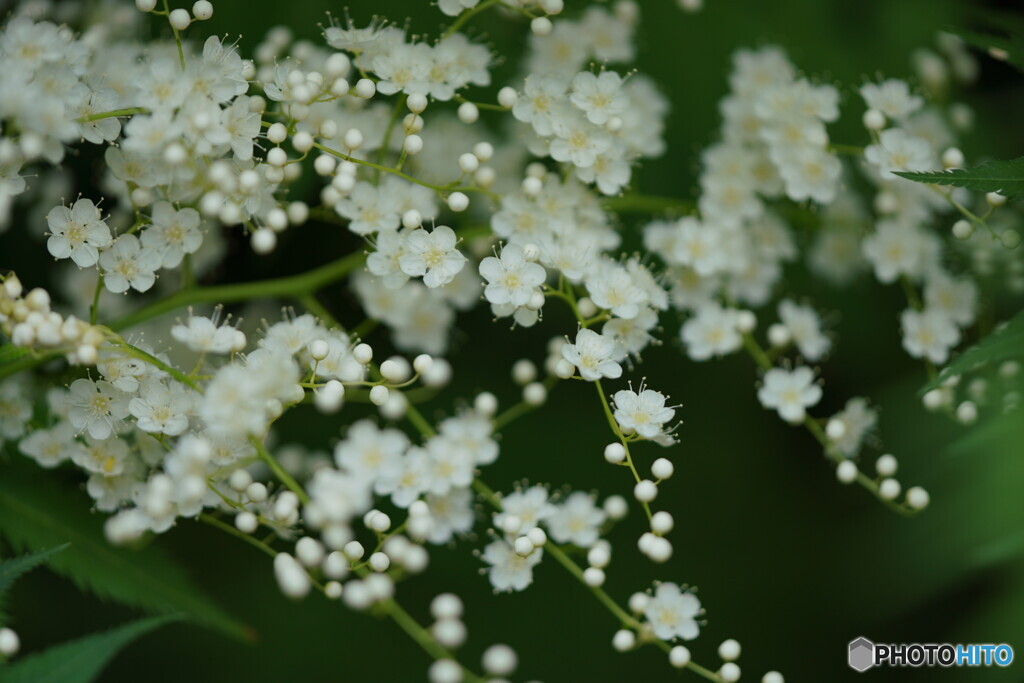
(26, 319)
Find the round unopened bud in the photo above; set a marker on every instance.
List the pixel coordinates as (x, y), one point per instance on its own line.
(952, 158)
(729, 673)
(846, 472)
(995, 199)
(874, 119)
(446, 606)
(587, 307)
(246, 522)
(413, 144)
(615, 507)
(523, 546)
(485, 403)
(541, 26)
(499, 660)
(468, 162)
(423, 363)
(917, 498)
(564, 369)
(889, 489)
(363, 353)
(277, 133)
(483, 151)
(468, 112)
(623, 640)
(662, 468)
(645, 491)
(615, 453)
(594, 577)
(379, 395)
(458, 202)
(507, 97)
(179, 19)
(353, 138)
(302, 142)
(412, 219)
(1010, 239)
(535, 394)
(524, 372)
(679, 656)
(319, 349)
(729, 650)
(778, 335)
(365, 88)
(379, 562)
(145, 5)
(263, 241)
(963, 229)
(835, 429)
(886, 465)
(967, 412)
(662, 522)
(396, 370)
(9, 642)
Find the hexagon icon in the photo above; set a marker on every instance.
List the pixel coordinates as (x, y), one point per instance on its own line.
(862, 654)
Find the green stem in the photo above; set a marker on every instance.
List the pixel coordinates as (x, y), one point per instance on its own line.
(279, 472)
(461, 20)
(441, 189)
(292, 286)
(94, 309)
(130, 111)
(157, 363)
(613, 423)
(227, 528)
(396, 113)
(638, 203)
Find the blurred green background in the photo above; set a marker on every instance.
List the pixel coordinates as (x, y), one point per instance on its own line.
(787, 561)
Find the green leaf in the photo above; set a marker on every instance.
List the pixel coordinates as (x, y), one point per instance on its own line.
(1005, 177)
(11, 569)
(1005, 343)
(81, 660)
(1010, 47)
(10, 353)
(37, 512)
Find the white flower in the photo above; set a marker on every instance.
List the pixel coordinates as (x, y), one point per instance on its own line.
(206, 335)
(577, 520)
(577, 140)
(857, 420)
(672, 613)
(805, 329)
(712, 331)
(510, 571)
(162, 409)
(369, 209)
(126, 264)
(614, 288)
(897, 151)
(930, 334)
(698, 246)
(102, 456)
(450, 514)
(891, 97)
(957, 298)
(532, 506)
(173, 233)
(592, 355)
(406, 483)
(432, 255)
(809, 173)
(895, 249)
(599, 96)
(644, 412)
(511, 279)
(15, 409)
(50, 447)
(453, 8)
(96, 407)
(541, 97)
(790, 392)
(78, 232)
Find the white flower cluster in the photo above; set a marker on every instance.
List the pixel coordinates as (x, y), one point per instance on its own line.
(450, 214)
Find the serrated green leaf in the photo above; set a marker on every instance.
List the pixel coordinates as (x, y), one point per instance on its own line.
(1012, 46)
(81, 660)
(1005, 177)
(1004, 344)
(38, 512)
(11, 569)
